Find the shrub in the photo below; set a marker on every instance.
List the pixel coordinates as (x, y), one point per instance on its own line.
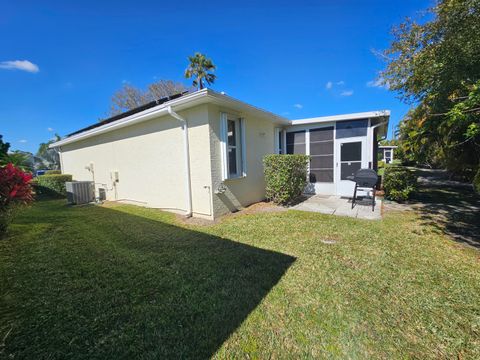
(15, 191)
(52, 185)
(53, 172)
(399, 183)
(476, 181)
(285, 176)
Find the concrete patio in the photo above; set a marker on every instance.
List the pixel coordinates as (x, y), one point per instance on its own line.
(336, 205)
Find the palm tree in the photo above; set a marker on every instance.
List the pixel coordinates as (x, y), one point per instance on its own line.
(200, 69)
(20, 159)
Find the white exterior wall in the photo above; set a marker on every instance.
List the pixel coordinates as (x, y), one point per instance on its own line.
(259, 141)
(149, 158)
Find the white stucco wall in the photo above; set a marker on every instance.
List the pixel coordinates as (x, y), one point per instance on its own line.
(150, 162)
(149, 158)
(259, 138)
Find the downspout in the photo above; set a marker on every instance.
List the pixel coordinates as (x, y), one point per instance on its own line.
(188, 182)
(58, 150)
(380, 124)
(373, 130)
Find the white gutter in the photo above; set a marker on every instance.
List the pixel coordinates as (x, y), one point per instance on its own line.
(188, 182)
(343, 117)
(201, 96)
(380, 124)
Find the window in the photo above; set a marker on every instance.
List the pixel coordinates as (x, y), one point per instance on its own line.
(233, 148)
(279, 141)
(321, 155)
(296, 142)
(351, 128)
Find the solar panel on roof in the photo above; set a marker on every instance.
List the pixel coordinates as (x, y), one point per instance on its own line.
(128, 113)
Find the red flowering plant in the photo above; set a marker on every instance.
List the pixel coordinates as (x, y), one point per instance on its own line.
(15, 190)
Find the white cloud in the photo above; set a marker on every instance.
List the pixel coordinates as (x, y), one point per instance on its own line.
(285, 113)
(50, 129)
(328, 85)
(23, 65)
(377, 83)
(340, 83)
(23, 141)
(346, 93)
(298, 106)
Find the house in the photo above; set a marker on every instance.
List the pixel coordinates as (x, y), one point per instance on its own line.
(386, 152)
(201, 153)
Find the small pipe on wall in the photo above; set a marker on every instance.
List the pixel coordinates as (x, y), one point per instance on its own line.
(188, 180)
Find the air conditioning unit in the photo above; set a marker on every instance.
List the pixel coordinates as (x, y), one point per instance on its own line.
(80, 192)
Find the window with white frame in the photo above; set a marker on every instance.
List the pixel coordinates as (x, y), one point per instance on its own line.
(279, 141)
(233, 146)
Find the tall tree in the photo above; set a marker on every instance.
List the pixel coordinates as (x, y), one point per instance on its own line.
(47, 158)
(130, 97)
(435, 66)
(200, 69)
(127, 98)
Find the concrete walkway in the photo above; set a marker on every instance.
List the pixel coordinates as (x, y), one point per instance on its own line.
(336, 205)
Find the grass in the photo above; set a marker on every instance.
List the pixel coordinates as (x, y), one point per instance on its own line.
(126, 282)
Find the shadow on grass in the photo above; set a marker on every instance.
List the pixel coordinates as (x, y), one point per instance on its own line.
(102, 283)
(450, 206)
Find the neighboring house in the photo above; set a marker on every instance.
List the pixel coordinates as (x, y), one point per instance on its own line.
(386, 152)
(201, 153)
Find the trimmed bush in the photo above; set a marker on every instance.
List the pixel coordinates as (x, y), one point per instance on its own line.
(53, 172)
(52, 185)
(476, 181)
(285, 177)
(399, 183)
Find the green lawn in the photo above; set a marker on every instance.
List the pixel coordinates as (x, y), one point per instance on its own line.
(126, 282)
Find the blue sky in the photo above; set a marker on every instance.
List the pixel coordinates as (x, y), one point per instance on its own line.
(61, 61)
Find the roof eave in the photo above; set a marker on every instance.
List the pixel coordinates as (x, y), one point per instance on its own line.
(186, 101)
(343, 117)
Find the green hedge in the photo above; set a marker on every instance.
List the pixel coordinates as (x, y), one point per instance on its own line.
(53, 172)
(399, 183)
(285, 177)
(476, 181)
(53, 185)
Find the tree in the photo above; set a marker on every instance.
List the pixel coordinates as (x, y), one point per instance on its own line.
(20, 159)
(3, 147)
(435, 67)
(165, 88)
(130, 97)
(127, 98)
(200, 69)
(46, 157)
